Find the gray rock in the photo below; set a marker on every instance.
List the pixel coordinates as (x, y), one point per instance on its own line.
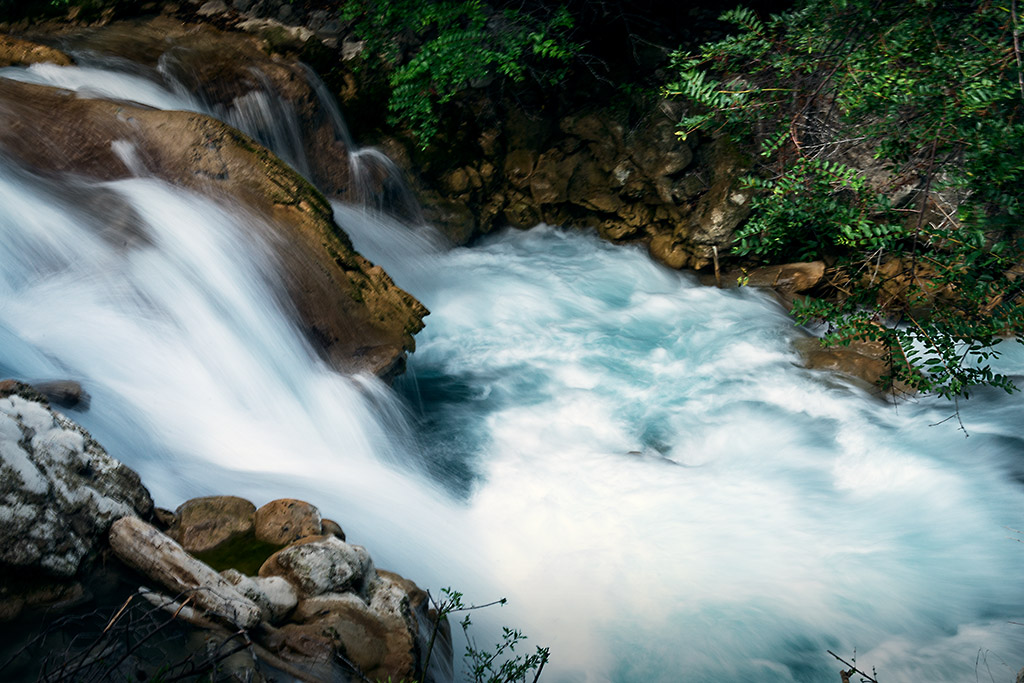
(275, 597)
(212, 7)
(59, 490)
(322, 564)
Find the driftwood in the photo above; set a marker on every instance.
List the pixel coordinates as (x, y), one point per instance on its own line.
(142, 547)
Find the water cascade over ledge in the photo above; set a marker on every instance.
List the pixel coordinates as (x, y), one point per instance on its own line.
(636, 462)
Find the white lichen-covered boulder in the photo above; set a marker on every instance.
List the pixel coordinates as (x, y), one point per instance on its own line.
(59, 490)
(322, 564)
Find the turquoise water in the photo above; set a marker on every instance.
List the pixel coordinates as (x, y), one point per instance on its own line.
(666, 495)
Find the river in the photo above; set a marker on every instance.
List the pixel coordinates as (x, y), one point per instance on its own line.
(637, 462)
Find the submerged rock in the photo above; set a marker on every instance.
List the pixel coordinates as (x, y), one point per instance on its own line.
(865, 361)
(65, 393)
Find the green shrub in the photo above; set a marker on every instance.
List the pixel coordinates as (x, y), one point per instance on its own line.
(934, 91)
(434, 51)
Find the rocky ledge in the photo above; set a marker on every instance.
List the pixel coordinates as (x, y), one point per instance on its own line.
(350, 310)
(278, 579)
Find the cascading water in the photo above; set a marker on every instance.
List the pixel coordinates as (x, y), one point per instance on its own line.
(666, 496)
(635, 461)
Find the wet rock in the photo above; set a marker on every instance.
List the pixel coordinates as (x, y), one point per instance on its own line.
(204, 524)
(350, 310)
(143, 547)
(283, 521)
(65, 393)
(321, 564)
(16, 52)
(791, 278)
(59, 490)
(860, 360)
(670, 250)
(453, 217)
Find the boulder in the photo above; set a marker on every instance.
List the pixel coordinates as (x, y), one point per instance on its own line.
(275, 596)
(65, 393)
(142, 547)
(864, 361)
(16, 52)
(205, 524)
(387, 635)
(283, 521)
(350, 310)
(59, 490)
(791, 278)
(322, 564)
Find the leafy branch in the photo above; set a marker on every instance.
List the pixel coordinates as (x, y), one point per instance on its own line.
(927, 248)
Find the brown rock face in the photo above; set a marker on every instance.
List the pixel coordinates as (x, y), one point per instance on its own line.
(15, 52)
(789, 278)
(285, 520)
(204, 524)
(224, 69)
(865, 361)
(350, 310)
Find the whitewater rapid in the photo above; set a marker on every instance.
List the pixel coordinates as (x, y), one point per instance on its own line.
(636, 462)
(667, 495)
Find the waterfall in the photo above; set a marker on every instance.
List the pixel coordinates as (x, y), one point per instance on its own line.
(636, 462)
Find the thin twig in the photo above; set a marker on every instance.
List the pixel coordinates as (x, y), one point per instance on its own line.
(1016, 46)
(853, 668)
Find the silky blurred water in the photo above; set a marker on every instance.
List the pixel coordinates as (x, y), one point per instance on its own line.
(636, 462)
(666, 495)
